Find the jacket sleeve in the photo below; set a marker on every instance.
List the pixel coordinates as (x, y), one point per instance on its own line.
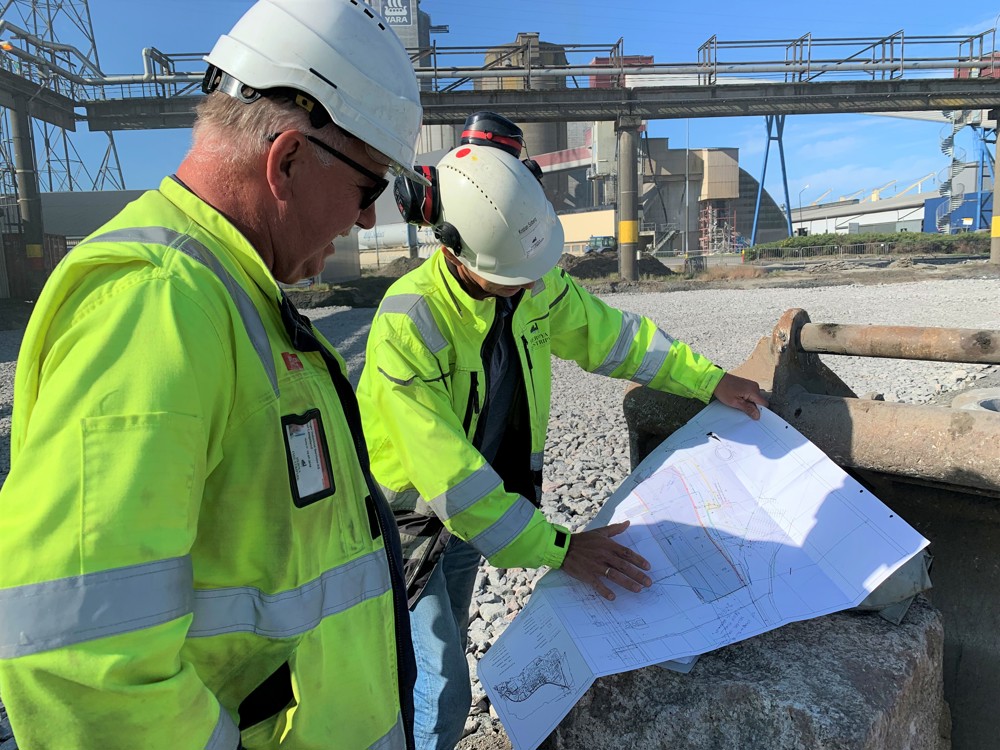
(607, 341)
(404, 388)
(130, 392)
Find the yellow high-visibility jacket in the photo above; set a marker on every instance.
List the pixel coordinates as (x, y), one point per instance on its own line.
(424, 386)
(165, 547)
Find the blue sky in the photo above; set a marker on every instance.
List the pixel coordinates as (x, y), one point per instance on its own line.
(839, 153)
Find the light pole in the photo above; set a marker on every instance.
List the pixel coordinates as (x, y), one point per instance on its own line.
(804, 188)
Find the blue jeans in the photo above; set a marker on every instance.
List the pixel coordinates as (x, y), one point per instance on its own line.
(439, 622)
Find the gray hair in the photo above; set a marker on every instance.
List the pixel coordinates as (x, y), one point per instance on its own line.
(229, 131)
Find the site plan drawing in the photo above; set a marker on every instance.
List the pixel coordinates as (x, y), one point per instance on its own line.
(747, 526)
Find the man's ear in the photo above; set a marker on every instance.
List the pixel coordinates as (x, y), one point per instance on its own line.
(284, 162)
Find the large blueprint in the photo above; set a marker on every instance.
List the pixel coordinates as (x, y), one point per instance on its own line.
(747, 526)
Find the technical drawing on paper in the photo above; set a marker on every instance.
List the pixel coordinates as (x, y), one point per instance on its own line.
(746, 526)
(729, 521)
(551, 668)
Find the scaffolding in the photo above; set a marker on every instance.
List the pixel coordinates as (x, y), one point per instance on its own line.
(717, 227)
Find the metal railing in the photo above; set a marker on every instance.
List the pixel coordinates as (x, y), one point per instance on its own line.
(523, 65)
(877, 58)
(831, 252)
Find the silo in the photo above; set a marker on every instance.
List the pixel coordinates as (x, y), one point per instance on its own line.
(528, 51)
(413, 27)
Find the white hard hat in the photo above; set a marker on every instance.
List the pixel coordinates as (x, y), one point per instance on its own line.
(508, 230)
(341, 53)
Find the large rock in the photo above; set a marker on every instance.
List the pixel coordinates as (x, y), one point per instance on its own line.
(848, 681)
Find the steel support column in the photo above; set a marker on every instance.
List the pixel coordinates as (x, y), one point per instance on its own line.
(775, 123)
(628, 196)
(30, 264)
(995, 220)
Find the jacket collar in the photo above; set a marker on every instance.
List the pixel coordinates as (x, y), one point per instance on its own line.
(461, 299)
(464, 304)
(229, 237)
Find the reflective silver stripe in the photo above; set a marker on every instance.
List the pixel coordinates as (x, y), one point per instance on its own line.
(538, 288)
(43, 616)
(395, 738)
(537, 461)
(415, 307)
(466, 493)
(226, 735)
(196, 250)
(245, 609)
(502, 533)
(407, 496)
(656, 354)
(626, 337)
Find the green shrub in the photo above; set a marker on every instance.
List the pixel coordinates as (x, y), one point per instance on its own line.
(903, 243)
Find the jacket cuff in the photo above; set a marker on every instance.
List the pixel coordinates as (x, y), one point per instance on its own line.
(558, 546)
(709, 382)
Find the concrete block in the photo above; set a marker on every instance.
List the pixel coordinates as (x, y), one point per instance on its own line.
(848, 681)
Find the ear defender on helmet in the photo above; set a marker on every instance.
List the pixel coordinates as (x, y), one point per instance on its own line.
(448, 235)
(491, 129)
(533, 167)
(418, 204)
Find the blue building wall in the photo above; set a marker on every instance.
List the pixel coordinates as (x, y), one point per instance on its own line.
(969, 216)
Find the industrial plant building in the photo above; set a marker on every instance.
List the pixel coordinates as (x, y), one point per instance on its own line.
(689, 201)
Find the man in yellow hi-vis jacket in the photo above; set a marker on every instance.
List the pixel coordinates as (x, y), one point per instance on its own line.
(194, 552)
(455, 397)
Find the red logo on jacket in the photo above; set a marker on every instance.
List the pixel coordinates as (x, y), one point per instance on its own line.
(292, 361)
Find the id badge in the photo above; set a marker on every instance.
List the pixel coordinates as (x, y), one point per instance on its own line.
(309, 471)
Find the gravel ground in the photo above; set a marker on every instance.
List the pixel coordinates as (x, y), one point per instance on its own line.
(587, 455)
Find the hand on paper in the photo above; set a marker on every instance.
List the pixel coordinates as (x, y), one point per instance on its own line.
(595, 559)
(740, 393)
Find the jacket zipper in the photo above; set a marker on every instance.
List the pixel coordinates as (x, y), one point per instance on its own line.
(491, 338)
(389, 533)
(473, 406)
(527, 354)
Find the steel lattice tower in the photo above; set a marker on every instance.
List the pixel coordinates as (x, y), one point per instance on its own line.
(63, 34)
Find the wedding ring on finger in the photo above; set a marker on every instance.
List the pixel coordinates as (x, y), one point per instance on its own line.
(607, 573)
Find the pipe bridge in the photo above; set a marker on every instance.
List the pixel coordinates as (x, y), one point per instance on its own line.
(807, 75)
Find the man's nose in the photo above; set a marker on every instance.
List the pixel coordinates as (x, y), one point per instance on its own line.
(366, 219)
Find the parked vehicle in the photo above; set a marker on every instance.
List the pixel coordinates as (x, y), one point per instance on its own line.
(598, 244)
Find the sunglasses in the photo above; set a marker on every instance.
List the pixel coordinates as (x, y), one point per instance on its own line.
(368, 194)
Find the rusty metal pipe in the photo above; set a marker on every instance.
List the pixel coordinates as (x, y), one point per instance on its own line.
(952, 446)
(903, 342)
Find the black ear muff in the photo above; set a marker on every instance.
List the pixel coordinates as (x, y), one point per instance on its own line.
(491, 129)
(533, 167)
(418, 204)
(449, 237)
